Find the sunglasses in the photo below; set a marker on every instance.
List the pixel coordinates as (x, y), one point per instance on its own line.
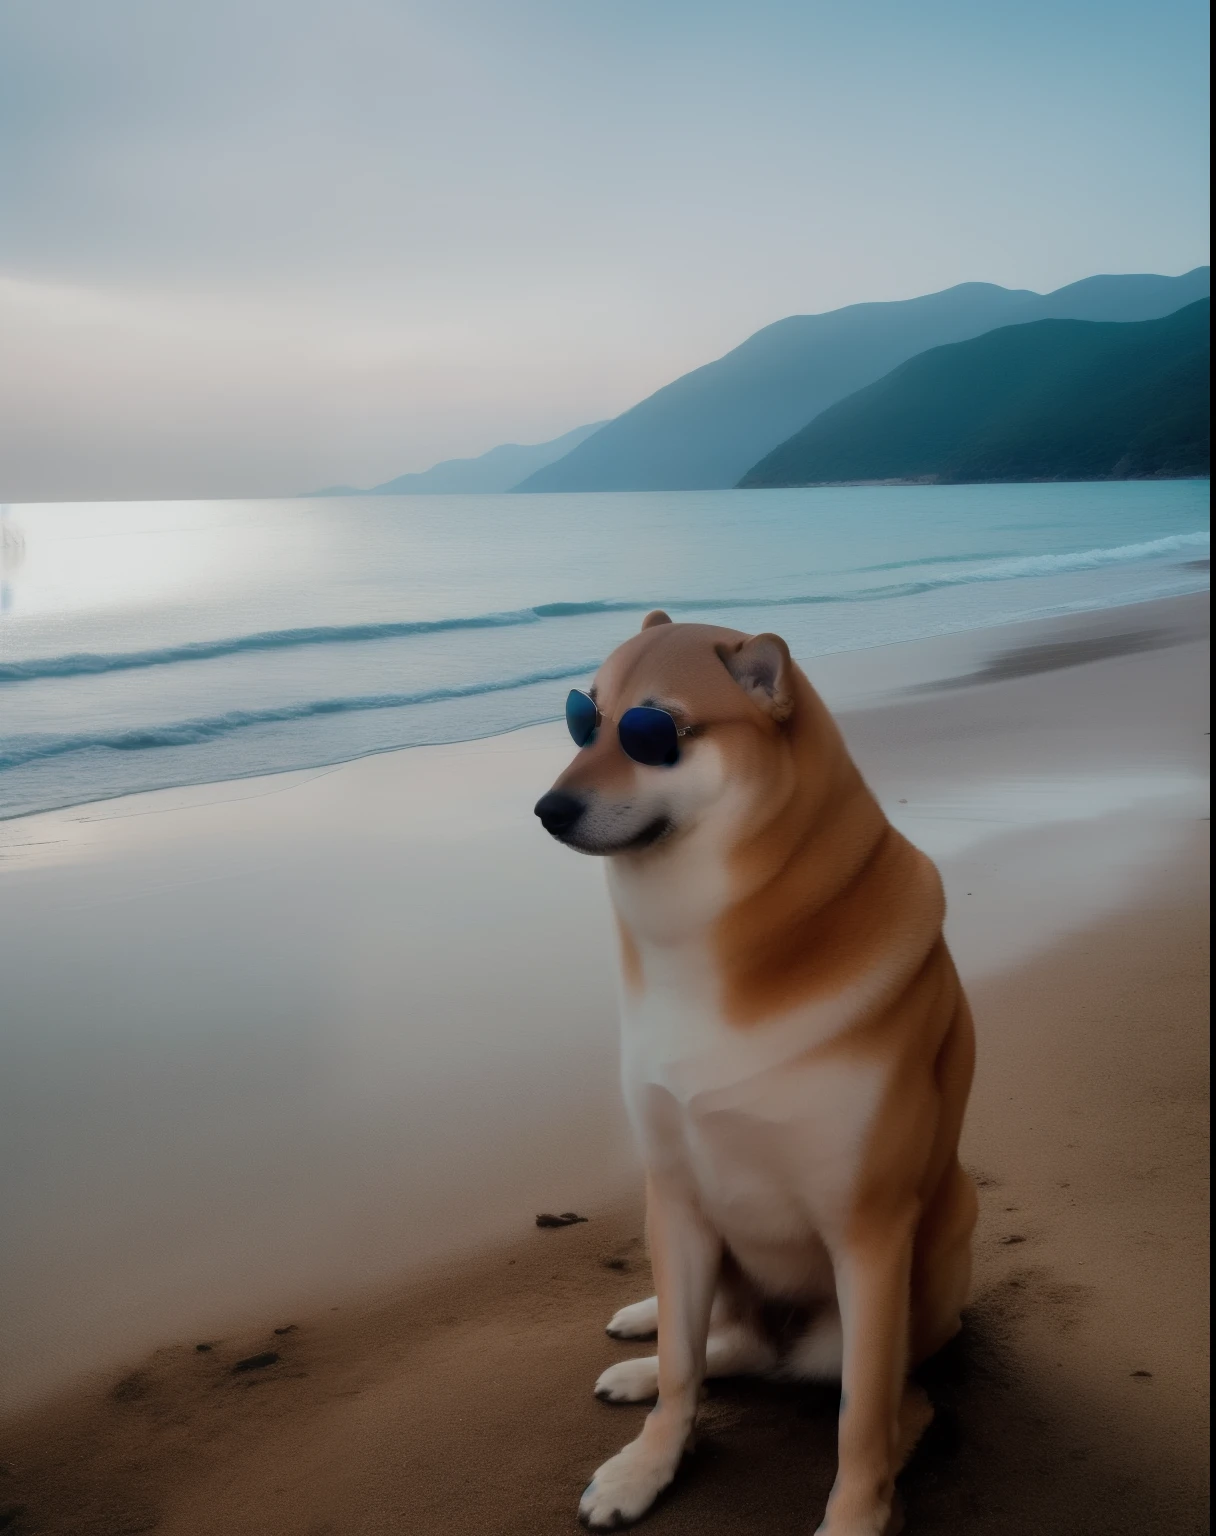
(648, 736)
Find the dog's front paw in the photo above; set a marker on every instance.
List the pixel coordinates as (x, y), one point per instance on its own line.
(631, 1381)
(640, 1321)
(624, 1488)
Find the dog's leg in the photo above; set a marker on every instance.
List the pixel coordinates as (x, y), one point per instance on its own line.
(735, 1349)
(641, 1319)
(915, 1416)
(872, 1285)
(685, 1255)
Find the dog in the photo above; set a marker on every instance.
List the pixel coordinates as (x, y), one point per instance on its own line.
(797, 1053)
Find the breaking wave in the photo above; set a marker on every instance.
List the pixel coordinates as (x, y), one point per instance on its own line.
(937, 575)
(185, 733)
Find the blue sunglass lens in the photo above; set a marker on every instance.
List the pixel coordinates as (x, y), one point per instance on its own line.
(649, 736)
(582, 717)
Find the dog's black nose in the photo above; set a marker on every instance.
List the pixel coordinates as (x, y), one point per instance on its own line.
(558, 812)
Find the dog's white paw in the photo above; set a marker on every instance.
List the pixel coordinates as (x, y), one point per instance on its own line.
(624, 1488)
(630, 1381)
(640, 1321)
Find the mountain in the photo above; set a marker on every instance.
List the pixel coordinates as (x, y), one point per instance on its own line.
(1049, 400)
(497, 470)
(706, 429)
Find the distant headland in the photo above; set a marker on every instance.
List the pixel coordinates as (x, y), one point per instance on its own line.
(1105, 378)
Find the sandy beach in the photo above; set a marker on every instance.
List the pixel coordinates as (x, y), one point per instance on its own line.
(291, 1065)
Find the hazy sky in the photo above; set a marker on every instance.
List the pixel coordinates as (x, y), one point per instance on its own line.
(253, 246)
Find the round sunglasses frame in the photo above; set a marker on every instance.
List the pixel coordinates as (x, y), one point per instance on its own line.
(582, 738)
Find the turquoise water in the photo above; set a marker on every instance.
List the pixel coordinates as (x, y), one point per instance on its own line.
(150, 644)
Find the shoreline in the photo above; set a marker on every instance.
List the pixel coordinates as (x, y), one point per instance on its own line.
(327, 494)
(258, 1079)
(934, 480)
(827, 664)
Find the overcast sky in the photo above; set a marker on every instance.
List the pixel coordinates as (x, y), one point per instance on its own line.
(255, 246)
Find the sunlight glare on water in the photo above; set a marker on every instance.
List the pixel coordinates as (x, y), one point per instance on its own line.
(148, 644)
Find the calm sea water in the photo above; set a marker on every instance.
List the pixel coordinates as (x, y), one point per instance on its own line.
(151, 644)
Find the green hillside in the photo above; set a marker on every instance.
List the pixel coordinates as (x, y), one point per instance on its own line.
(704, 429)
(1048, 400)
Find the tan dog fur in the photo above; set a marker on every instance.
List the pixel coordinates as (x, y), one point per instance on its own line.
(797, 1053)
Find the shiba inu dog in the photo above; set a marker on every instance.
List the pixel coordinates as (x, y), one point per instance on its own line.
(796, 1055)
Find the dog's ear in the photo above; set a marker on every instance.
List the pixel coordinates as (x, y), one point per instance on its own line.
(762, 667)
(656, 616)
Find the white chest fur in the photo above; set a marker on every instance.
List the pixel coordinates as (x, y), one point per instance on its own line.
(763, 1131)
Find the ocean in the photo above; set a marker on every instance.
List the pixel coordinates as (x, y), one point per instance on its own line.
(148, 644)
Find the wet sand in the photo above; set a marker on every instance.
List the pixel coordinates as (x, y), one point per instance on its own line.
(1062, 797)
